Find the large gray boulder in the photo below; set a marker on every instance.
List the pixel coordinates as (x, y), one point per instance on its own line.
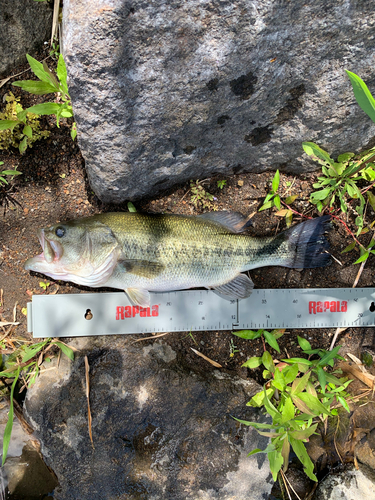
(160, 431)
(167, 91)
(24, 26)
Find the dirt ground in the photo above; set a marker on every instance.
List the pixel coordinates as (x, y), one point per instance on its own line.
(54, 187)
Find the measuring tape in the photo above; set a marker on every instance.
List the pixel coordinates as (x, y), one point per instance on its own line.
(89, 314)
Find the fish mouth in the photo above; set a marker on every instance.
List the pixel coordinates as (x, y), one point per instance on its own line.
(52, 252)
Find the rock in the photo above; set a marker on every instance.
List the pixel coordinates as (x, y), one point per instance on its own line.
(25, 25)
(168, 91)
(348, 485)
(159, 430)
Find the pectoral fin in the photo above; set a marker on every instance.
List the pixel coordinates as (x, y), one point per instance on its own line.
(143, 268)
(238, 288)
(138, 296)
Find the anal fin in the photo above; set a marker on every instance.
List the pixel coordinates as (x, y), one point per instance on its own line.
(138, 296)
(240, 287)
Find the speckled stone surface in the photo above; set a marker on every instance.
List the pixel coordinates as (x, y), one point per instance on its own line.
(25, 25)
(168, 91)
(160, 431)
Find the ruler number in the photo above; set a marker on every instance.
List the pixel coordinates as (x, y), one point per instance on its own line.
(360, 315)
(267, 316)
(264, 301)
(169, 303)
(295, 301)
(299, 315)
(233, 316)
(200, 303)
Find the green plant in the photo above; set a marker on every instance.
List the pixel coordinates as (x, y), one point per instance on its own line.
(11, 173)
(340, 179)
(299, 394)
(44, 285)
(232, 349)
(49, 83)
(221, 184)
(18, 127)
(24, 363)
(201, 198)
(273, 199)
(55, 48)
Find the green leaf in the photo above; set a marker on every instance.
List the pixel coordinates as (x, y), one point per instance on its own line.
(248, 334)
(256, 425)
(9, 424)
(288, 410)
(131, 207)
(322, 378)
(279, 381)
(23, 145)
(270, 339)
(268, 361)
(329, 356)
(11, 172)
(35, 87)
(5, 124)
(303, 433)
(73, 131)
(277, 202)
(52, 77)
(65, 349)
(370, 196)
(289, 200)
(68, 113)
(300, 450)
(276, 181)
(321, 195)
(27, 130)
(349, 247)
(37, 69)
(344, 403)
(290, 373)
(299, 384)
(314, 150)
(46, 108)
(269, 204)
(345, 157)
(303, 343)
(362, 95)
(62, 73)
(362, 258)
(313, 403)
(276, 462)
(258, 399)
(253, 362)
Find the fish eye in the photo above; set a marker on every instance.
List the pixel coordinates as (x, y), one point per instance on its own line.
(60, 231)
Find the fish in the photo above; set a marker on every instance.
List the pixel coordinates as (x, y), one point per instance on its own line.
(142, 253)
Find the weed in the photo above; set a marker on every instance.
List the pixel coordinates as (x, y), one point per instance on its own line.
(299, 394)
(131, 207)
(232, 349)
(44, 285)
(24, 364)
(48, 83)
(201, 198)
(11, 173)
(55, 49)
(221, 184)
(19, 128)
(273, 199)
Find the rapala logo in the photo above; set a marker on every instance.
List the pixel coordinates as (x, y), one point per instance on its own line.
(123, 312)
(332, 306)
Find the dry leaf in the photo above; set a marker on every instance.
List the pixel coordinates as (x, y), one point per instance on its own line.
(206, 358)
(89, 420)
(357, 361)
(6, 323)
(366, 378)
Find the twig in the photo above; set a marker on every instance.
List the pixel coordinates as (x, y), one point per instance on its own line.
(153, 337)
(89, 420)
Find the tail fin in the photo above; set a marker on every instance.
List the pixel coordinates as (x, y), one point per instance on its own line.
(308, 243)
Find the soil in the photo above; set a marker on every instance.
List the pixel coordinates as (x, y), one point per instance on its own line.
(54, 187)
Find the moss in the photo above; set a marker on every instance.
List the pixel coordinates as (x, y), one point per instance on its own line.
(13, 137)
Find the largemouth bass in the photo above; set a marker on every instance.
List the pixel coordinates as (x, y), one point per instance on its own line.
(140, 253)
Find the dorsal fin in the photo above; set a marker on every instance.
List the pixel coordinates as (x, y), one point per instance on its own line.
(234, 221)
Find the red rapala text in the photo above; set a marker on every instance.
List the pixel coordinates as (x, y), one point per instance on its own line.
(316, 307)
(123, 312)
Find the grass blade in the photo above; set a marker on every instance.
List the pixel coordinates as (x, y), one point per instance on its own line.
(9, 425)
